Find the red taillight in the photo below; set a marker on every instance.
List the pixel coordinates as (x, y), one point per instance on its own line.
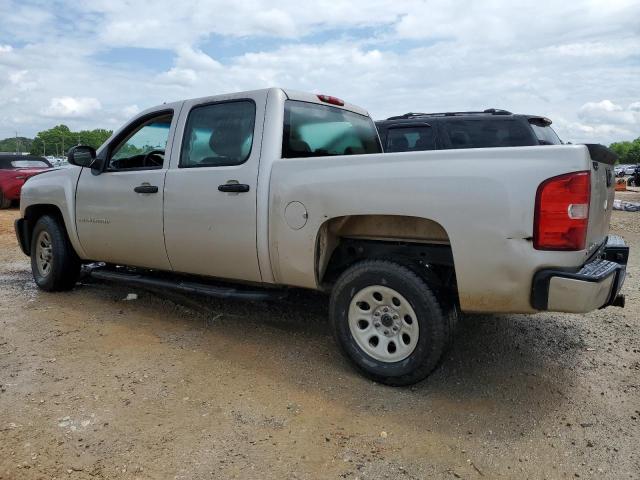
(331, 100)
(562, 212)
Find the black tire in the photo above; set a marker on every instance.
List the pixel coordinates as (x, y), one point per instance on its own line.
(64, 263)
(4, 202)
(434, 326)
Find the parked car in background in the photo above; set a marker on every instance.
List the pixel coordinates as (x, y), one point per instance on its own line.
(454, 130)
(630, 169)
(14, 171)
(58, 162)
(619, 170)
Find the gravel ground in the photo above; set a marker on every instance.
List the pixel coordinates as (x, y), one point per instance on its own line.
(176, 387)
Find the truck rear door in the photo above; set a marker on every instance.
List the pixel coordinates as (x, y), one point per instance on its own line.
(210, 189)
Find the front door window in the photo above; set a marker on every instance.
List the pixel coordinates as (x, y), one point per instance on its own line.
(144, 147)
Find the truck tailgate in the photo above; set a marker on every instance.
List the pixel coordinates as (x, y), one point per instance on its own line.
(602, 194)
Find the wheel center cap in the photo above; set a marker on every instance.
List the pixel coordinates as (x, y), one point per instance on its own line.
(386, 320)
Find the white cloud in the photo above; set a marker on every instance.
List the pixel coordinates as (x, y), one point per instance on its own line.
(557, 60)
(607, 112)
(190, 66)
(591, 50)
(129, 111)
(578, 132)
(69, 107)
(167, 25)
(18, 77)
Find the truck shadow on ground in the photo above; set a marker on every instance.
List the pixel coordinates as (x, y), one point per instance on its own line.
(521, 361)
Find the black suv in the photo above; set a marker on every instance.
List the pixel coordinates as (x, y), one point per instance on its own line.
(486, 129)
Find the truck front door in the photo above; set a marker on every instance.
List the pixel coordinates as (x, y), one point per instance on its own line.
(210, 191)
(119, 210)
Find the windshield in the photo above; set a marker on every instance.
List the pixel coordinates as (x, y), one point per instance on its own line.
(313, 130)
(29, 164)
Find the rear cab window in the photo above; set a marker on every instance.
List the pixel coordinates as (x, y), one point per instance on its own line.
(486, 133)
(314, 130)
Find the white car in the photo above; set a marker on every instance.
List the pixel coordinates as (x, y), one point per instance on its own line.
(275, 188)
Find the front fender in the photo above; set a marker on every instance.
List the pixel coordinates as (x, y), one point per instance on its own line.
(54, 189)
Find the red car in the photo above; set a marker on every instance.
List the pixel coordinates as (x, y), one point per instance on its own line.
(14, 171)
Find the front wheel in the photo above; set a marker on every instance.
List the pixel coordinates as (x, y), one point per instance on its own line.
(388, 322)
(54, 263)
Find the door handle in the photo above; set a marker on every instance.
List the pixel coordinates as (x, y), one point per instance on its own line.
(234, 187)
(146, 189)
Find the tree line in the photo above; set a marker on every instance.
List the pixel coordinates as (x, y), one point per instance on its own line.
(628, 152)
(59, 139)
(16, 144)
(55, 141)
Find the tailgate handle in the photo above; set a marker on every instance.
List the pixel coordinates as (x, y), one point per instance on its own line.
(146, 189)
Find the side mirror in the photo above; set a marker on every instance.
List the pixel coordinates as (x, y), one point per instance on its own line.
(82, 156)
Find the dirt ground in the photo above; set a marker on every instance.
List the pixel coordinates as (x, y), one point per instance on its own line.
(168, 387)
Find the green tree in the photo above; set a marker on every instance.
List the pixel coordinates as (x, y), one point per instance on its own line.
(58, 140)
(628, 152)
(13, 144)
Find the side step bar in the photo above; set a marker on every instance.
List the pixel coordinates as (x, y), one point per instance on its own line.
(155, 280)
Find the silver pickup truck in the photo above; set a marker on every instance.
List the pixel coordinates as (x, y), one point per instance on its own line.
(245, 194)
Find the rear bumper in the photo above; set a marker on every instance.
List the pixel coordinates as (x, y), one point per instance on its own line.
(595, 285)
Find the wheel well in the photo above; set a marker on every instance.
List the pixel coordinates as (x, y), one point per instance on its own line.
(417, 243)
(34, 212)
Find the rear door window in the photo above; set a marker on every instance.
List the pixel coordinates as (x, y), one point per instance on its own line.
(410, 139)
(314, 130)
(483, 133)
(218, 134)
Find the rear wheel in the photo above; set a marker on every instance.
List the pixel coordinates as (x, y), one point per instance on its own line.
(4, 202)
(388, 322)
(54, 263)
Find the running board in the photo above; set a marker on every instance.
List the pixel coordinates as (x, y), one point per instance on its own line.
(188, 286)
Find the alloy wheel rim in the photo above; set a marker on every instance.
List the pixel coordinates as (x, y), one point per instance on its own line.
(44, 253)
(383, 323)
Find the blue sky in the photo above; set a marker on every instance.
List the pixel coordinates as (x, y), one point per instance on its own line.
(94, 64)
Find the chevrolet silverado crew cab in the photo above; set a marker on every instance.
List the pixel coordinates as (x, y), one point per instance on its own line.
(454, 130)
(245, 194)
